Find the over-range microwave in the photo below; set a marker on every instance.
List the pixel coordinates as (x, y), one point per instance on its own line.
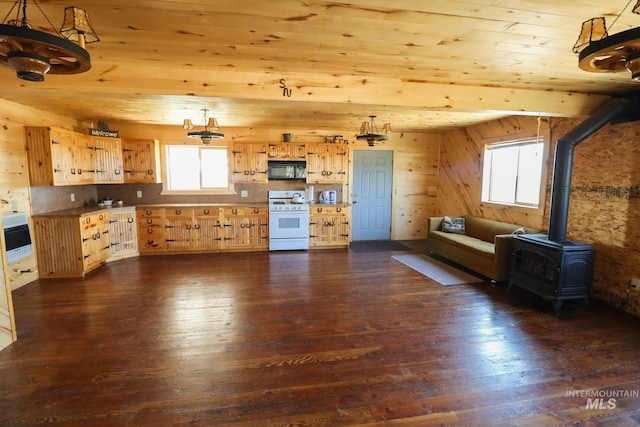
(287, 170)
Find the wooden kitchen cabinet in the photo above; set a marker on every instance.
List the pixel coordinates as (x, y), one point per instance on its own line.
(329, 226)
(84, 159)
(141, 160)
(287, 151)
(327, 163)
(207, 228)
(51, 156)
(123, 233)
(250, 162)
(71, 245)
(193, 229)
(150, 223)
(180, 229)
(246, 228)
(95, 239)
(108, 160)
(59, 157)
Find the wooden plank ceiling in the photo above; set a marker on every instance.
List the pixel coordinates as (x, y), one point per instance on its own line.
(423, 66)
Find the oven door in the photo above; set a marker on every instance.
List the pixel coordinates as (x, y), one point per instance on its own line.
(289, 225)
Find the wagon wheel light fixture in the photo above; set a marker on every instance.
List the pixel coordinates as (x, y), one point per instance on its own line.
(369, 132)
(32, 53)
(603, 53)
(211, 129)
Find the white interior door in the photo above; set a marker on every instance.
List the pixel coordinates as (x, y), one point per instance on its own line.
(372, 186)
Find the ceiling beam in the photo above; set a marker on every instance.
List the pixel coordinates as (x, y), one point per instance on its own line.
(315, 88)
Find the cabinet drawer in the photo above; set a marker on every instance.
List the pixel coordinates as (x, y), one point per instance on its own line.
(149, 212)
(150, 222)
(206, 211)
(178, 212)
(150, 232)
(329, 210)
(234, 212)
(94, 220)
(256, 211)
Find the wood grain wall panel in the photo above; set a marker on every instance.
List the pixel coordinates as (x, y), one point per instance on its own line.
(14, 193)
(460, 183)
(414, 181)
(604, 209)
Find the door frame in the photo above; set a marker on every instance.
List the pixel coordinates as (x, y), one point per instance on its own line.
(352, 187)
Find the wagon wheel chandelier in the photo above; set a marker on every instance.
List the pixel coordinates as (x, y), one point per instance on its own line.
(369, 132)
(210, 132)
(32, 53)
(602, 53)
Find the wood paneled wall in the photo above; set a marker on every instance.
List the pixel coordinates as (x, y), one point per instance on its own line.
(14, 195)
(460, 181)
(604, 209)
(414, 181)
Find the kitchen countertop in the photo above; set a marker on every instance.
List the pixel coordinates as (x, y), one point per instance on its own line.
(81, 211)
(88, 210)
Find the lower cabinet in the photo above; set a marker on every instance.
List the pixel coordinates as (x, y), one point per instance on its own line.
(123, 233)
(202, 229)
(246, 228)
(71, 246)
(329, 226)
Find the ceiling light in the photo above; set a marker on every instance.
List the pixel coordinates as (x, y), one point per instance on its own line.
(602, 53)
(32, 53)
(211, 129)
(369, 132)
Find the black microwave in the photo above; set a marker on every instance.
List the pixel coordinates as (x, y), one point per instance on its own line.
(284, 170)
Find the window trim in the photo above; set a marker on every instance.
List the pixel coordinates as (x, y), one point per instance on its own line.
(543, 137)
(165, 181)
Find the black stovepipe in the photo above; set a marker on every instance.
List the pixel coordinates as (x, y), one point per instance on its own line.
(563, 163)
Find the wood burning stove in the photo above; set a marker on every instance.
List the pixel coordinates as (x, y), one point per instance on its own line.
(556, 271)
(550, 266)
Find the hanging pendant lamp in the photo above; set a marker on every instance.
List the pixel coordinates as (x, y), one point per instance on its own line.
(369, 132)
(32, 53)
(211, 129)
(603, 53)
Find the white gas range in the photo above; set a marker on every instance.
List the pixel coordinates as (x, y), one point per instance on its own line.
(288, 221)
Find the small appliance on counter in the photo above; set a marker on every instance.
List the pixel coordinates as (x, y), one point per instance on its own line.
(328, 196)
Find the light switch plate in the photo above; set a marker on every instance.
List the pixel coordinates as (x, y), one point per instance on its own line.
(139, 194)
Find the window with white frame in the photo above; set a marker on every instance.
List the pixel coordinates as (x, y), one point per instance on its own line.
(197, 168)
(512, 173)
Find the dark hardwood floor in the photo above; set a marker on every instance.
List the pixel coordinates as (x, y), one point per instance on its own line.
(331, 338)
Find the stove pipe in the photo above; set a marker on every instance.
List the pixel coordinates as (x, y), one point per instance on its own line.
(563, 163)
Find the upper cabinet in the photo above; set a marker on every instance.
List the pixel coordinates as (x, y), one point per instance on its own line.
(62, 157)
(287, 151)
(51, 156)
(327, 163)
(108, 160)
(141, 158)
(250, 162)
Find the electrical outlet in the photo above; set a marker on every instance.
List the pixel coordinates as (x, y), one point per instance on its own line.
(244, 193)
(73, 197)
(635, 284)
(139, 194)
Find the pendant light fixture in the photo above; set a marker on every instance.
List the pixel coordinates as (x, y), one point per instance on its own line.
(369, 132)
(211, 129)
(603, 53)
(32, 53)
